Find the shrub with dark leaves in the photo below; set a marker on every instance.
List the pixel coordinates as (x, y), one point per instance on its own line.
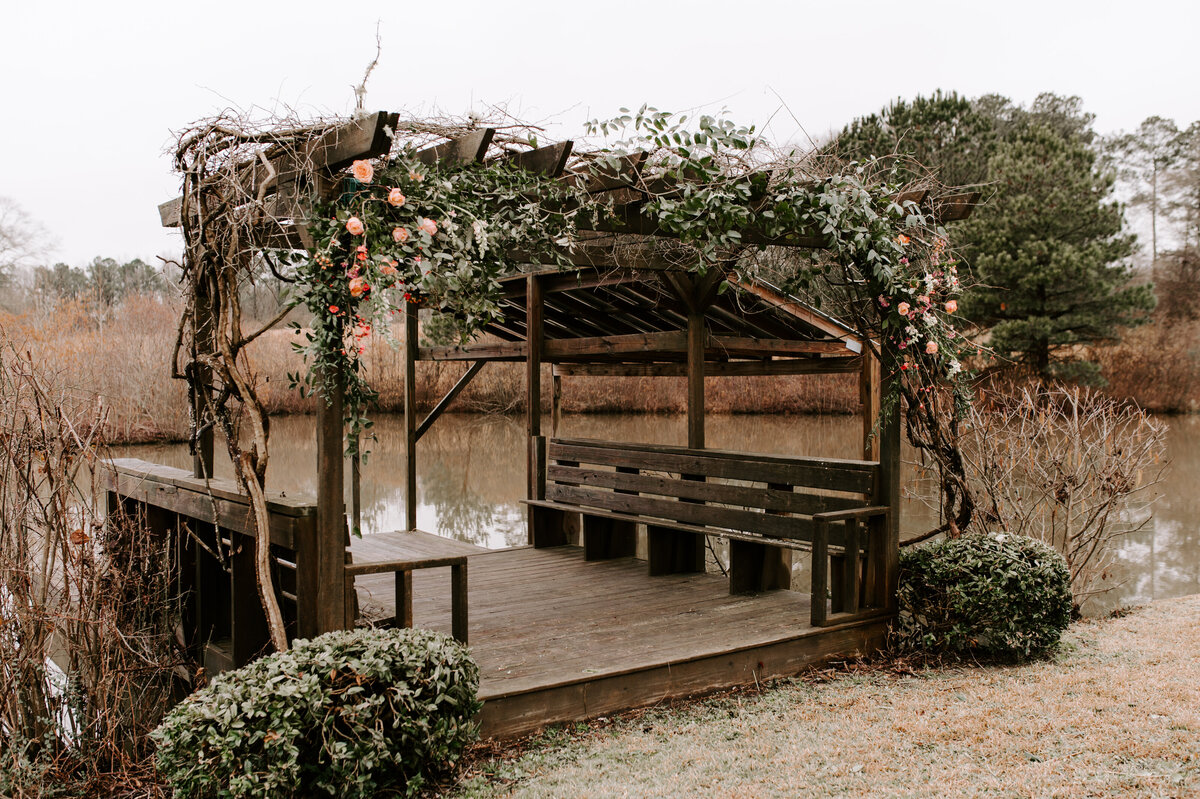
(986, 595)
(349, 714)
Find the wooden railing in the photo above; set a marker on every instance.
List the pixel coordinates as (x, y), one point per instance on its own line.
(210, 525)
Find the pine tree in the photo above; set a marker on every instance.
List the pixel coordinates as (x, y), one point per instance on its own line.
(1050, 256)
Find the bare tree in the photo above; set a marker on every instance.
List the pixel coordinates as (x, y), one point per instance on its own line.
(1067, 466)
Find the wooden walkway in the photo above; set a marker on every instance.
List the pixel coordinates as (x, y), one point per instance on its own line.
(558, 638)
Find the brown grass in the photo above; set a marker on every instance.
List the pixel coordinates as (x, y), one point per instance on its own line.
(123, 360)
(1116, 715)
(1156, 366)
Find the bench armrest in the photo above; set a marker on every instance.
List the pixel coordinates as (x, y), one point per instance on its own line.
(851, 513)
(385, 566)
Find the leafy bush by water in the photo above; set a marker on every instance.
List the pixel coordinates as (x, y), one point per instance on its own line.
(985, 595)
(348, 714)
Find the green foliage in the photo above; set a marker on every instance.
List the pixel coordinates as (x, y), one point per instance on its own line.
(1046, 251)
(983, 595)
(438, 237)
(1049, 254)
(944, 134)
(348, 714)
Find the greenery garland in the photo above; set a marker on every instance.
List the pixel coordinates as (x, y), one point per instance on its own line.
(441, 236)
(438, 237)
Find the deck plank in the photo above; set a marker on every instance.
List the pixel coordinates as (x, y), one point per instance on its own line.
(557, 637)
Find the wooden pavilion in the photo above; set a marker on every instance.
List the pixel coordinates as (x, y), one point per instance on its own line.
(613, 603)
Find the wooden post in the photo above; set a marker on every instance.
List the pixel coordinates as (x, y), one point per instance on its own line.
(534, 308)
(671, 551)
(869, 389)
(887, 492)
(555, 402)
(330, 549)
(411, 334)
(695, 377)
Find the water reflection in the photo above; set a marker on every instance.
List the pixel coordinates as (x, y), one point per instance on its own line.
(471, 476)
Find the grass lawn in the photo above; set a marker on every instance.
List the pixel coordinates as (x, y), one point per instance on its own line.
(1115, 714)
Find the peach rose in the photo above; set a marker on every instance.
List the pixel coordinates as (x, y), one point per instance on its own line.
(355, 226)
(415, 176)
(400, 235)
(427, 225)
(358, 286)
(363, 171)
(396, 198)
(951, 306)
(931, 348)
(902, 308)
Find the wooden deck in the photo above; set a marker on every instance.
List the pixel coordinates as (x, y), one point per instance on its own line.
(558, 638)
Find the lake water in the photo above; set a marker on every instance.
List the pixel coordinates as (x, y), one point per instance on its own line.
(471, 476)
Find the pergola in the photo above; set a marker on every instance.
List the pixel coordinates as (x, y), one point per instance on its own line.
(628, 307)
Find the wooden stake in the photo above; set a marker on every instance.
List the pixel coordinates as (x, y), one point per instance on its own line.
(411, 332)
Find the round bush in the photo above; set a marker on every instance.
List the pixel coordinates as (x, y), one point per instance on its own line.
(986, 595)
(347, 714)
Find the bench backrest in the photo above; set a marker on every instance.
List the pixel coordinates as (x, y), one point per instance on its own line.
(771, 495)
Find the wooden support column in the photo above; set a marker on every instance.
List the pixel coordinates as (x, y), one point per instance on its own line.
(695, 378)
(555, 402)
(887, 490)
(671, 551)
(535, 342)
(411, 333)
(330, 545)
(869, 383)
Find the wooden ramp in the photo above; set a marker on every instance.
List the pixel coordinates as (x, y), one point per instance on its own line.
(558, 638)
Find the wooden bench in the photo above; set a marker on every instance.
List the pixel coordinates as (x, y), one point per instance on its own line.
(763, 505)
(419, 550)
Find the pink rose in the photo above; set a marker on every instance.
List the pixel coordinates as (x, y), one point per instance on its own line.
(427, 225)
(363, 171)
(931, 348)
(923, 299)
(396, 197)
(902, 308)
(400, 235)
(951, 306)
(355, 226)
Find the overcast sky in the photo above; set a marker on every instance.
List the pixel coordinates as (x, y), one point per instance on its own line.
(91, 91)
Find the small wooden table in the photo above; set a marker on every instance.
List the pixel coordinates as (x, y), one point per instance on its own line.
(424, 551)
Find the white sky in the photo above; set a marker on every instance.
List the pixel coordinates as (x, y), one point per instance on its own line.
(90, 91)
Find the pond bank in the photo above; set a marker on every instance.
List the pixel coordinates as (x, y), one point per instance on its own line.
(1115, 714)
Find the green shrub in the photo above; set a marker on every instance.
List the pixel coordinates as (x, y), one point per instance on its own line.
(347, 714)
(985, 595)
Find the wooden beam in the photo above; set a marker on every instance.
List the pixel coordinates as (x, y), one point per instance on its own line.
(805, 366)
(411, 333)
(492, 351)
(364, 137)
(801, 312)
(952, 207)
(671, 341)
(549, 160)
(464, 149)
(739, 345)
(445, 401)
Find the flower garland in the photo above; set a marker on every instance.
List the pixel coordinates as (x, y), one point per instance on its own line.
(409, 233)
